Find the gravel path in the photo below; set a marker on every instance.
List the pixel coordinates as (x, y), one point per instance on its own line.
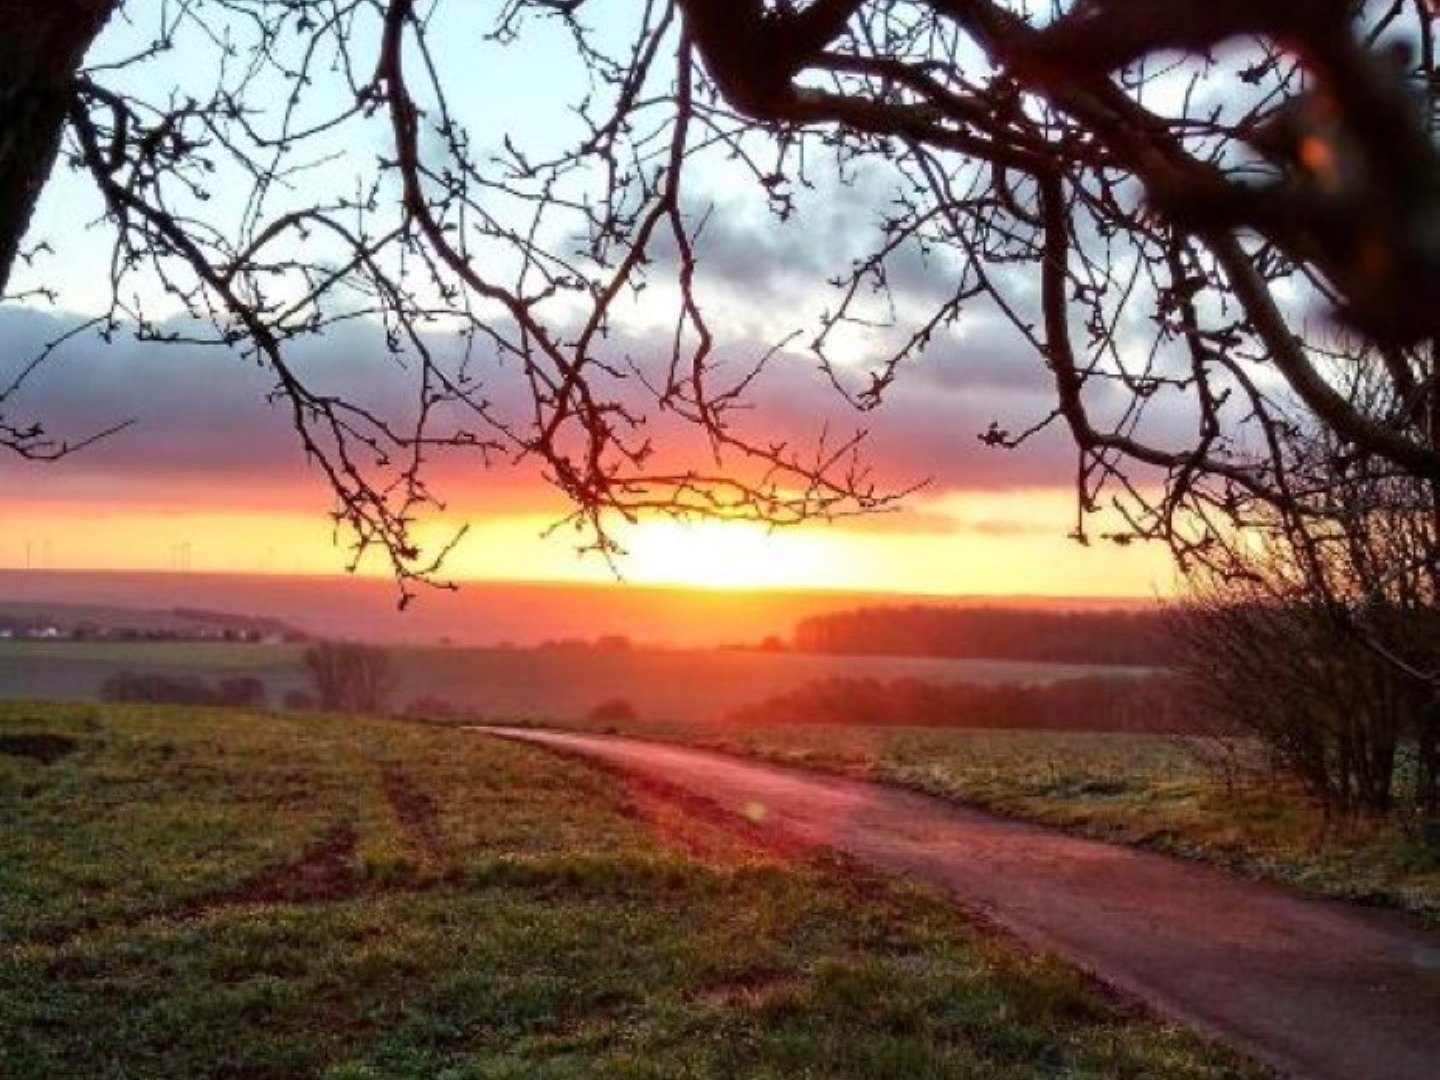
(1319, 989)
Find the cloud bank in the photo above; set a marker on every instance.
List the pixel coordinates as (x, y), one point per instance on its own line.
(205, 435)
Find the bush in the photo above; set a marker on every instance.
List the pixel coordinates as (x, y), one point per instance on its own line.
(299, 701)
(613, 711)
(432, 707)
(1357, 730)
(244, 692)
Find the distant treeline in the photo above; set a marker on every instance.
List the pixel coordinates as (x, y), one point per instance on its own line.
(1138, 638)
(1149, 704)
(239, 692)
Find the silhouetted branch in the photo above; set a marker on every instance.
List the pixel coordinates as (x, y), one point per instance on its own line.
(1155, 200)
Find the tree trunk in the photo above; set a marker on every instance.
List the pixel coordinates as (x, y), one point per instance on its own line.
(42, 43)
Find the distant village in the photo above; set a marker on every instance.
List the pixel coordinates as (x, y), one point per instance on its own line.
(177, 625)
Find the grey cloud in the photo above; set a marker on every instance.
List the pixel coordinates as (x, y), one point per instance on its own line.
(205, 433)
(201, 429)
(739, 245)
(911, 522)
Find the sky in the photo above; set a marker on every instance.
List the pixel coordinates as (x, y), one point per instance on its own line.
(209, 477)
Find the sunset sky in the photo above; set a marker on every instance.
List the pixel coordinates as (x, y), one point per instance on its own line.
(210, 478)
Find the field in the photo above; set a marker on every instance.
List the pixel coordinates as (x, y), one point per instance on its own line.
(1148, 790)
(73, 671)
(538, 684)
(1203, 799)
(190, 893)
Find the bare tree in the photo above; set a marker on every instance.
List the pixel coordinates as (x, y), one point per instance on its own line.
(1156, 199)
(1319, 631)
(350, 677)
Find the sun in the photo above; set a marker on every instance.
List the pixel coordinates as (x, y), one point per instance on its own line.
(729, 555)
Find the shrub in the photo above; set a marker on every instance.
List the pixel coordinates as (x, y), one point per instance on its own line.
(299, 701)
(153, 688)
(613, 710)
(432, 707)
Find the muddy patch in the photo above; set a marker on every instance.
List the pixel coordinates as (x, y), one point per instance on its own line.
(415, 812)
(325, 872)
(751, 992)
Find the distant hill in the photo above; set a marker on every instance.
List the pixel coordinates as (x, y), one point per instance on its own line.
(42, 618)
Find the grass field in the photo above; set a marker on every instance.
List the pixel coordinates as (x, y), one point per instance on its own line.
(189, 893)
(540, 684)
(1155, 791)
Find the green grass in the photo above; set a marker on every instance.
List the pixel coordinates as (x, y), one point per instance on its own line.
(191, 893)
(1159, 792)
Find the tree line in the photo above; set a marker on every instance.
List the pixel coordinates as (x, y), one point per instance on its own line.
(1159, 704)
(1135, 638)
(240, 692)
(340, 676)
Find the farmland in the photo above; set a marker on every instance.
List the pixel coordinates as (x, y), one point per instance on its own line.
(75, 670)
(192, 893)
(559, 683)
(1148, 790)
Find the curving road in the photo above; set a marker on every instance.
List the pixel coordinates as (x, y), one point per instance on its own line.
(1321, 990)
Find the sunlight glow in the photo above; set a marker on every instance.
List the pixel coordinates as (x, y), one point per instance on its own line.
(996, 544)
(729, 555)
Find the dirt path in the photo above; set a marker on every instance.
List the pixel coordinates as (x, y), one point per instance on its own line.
(1321, 990)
